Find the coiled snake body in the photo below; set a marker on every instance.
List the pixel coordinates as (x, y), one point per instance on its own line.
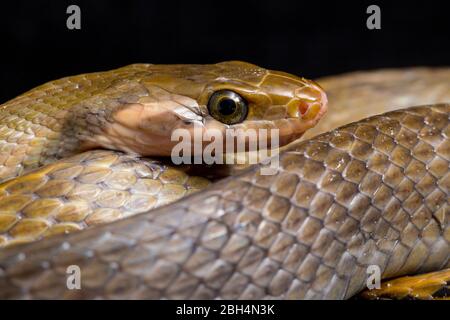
(374, 192)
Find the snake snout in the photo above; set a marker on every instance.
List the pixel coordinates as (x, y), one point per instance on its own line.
(310, 102)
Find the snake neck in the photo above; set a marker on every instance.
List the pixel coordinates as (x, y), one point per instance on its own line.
(28, 144)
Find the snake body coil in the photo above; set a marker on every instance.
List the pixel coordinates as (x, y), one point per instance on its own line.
(374, 192)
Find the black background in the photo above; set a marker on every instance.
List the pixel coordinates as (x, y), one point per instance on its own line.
(308, 38)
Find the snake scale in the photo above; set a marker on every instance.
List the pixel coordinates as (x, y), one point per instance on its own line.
(374, 192)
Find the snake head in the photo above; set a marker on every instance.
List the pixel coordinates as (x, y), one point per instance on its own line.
(225, 96)
(275, 100)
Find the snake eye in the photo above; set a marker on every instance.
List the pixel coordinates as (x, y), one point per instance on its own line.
(227, 107)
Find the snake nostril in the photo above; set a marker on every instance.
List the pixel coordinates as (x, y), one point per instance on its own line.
(303, 107)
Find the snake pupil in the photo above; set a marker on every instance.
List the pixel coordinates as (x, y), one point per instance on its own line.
(227, 107)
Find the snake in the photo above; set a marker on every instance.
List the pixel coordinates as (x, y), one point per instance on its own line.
(84, 182)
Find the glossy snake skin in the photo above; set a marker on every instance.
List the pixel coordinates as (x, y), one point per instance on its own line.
(134, 109)
(372, 192)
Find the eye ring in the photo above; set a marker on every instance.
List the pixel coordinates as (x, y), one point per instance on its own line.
(227, 107)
